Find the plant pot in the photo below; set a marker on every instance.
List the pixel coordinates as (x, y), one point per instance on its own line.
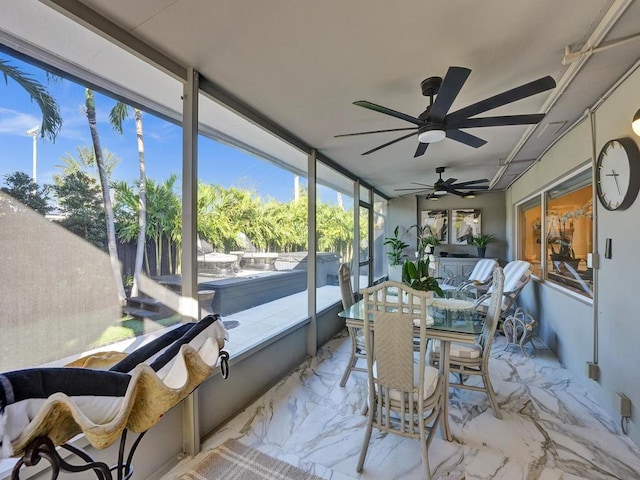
(482, 251)
(395, 273)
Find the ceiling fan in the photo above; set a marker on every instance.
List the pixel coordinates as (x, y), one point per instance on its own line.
(436, 123)
(442, 187)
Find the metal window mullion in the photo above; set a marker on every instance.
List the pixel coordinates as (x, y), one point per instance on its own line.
(190, 423)
(312, 331)
(356, 235)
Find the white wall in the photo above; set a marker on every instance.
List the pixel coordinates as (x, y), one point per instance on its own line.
(567, 324)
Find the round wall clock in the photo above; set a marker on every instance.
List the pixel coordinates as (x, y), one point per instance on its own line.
(618, 174)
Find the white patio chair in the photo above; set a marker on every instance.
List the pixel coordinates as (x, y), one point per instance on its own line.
(516, 275)
(480, 276)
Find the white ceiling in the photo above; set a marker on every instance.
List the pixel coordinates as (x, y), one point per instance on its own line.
(301, 64)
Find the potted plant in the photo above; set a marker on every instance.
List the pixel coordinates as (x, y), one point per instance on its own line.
(395, 253)
(416, 275)
(481, 241)
(427, 242)
(430, 240)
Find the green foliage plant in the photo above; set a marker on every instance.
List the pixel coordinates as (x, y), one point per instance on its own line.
(481, 240)
(396, 246)
(416, 275)
(425, 239)
(24, 189)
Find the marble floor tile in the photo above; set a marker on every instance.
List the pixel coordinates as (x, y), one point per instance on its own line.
(552, 429)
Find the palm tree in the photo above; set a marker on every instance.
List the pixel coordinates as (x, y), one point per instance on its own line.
(116, 117)
(51, 120)
(106, 196)
(85, 162)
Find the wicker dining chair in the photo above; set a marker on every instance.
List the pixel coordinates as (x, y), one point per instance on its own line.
(356, 337)
(473, 359)
(405, 393)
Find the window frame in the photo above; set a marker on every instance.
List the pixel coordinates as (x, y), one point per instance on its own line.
(520, 234)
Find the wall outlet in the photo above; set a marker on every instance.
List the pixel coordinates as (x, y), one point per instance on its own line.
(593, 371)
(624, 404)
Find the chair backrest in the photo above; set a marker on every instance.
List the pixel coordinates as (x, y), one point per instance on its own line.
(516, 275)
(393, 310)
(493, 313)
(346, 290)
(483, 270)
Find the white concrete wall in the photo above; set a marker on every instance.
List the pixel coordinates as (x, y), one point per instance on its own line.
(567, 323)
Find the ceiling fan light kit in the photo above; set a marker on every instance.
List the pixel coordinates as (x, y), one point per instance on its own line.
(432, 134)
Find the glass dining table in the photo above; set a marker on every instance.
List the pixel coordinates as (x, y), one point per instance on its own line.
(452, 319)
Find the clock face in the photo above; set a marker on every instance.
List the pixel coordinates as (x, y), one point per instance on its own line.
(617, 174)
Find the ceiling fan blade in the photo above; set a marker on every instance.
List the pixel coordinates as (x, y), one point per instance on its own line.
(390, 143)
(500, 121)
(466, 138)
(449, 181)
(449, 90)
(529, 119)
(470, 187)
(388, 111)
(510, 96)
(423, 186)
(407, 189)
(471, 182)
(374, 131)
(422, 147)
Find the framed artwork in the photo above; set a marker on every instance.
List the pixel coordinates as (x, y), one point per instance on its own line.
(465, 223)
(438, 223)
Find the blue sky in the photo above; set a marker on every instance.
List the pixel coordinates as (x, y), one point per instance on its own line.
(218, 163)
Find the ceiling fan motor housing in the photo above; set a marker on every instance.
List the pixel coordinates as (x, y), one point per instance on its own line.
(430, 86)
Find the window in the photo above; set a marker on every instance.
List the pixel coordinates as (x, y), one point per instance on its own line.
(531, 234)
(334, 232)
(568, 233)
(379, 218)
(558, 236)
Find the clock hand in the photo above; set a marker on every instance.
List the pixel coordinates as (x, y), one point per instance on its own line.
(615, 177)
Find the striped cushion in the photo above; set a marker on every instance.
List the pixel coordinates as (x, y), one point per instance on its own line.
(516, 274)
(483, 270)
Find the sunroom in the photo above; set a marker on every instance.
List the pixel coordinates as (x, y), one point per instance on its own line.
(241, 105)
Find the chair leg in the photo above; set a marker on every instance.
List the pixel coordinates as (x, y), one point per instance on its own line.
(347, 371)
(352, 360)
(491, 394)
(424, 449)
(365, 444)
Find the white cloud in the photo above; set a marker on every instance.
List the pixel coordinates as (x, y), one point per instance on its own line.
(13, 122)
